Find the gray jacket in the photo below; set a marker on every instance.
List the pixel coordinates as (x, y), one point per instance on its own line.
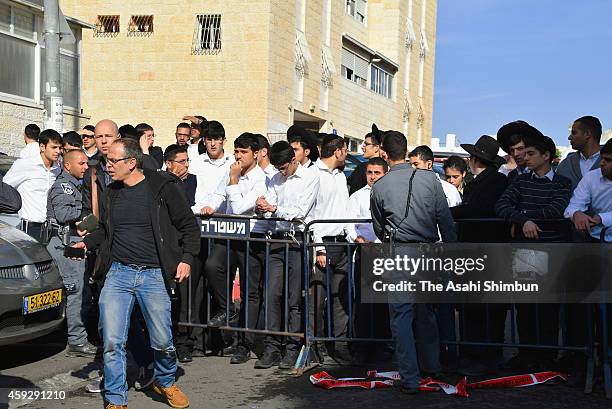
(570, 168)
(65, 201)
(429, 210)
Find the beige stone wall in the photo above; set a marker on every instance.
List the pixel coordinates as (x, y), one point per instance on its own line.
(156, 79)
(14, 117)
(352, 109)
(252, 84)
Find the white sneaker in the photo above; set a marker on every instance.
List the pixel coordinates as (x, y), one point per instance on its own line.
(145, 378)
(96, 385)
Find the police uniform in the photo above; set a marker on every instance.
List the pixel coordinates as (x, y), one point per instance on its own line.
(64, 206)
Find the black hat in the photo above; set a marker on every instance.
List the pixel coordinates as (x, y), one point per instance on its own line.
(306, 136)
(521, 128)
(485, 149)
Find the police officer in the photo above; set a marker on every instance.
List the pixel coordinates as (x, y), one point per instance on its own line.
(409, 206)
(64, 206)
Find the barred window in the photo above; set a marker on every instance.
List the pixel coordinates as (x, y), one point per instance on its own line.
(207, 34)
(107, 26)
(140, 26)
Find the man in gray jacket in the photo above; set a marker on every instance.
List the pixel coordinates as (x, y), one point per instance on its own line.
(409, 206)
(585, 137)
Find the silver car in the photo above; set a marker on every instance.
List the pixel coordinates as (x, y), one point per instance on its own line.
(32, 294)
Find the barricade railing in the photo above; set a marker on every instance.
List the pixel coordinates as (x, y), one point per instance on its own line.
(457, 335)
(318, 326)
(227, 233)
(606, 326)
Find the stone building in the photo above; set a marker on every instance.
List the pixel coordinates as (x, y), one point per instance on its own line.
(261, 65)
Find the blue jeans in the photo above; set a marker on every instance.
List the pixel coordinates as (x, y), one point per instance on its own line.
(123, 286)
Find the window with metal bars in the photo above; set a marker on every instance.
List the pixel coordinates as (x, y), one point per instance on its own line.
(140, 26)
(107, 26)
(207, 34)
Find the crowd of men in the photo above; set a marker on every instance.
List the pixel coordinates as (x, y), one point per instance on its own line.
(108, 192)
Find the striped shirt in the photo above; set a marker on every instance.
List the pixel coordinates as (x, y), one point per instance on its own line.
(530, 197)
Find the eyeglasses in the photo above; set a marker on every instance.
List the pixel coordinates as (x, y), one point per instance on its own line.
(181, 162)
(364, 143)
(115, 161)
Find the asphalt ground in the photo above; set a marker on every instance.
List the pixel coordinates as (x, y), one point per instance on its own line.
(212, 382)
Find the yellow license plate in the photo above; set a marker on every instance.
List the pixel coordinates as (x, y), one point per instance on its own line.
(42, 301)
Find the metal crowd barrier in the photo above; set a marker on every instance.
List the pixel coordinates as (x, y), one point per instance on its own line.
(606, 325)
(228, 228)
(222, 228)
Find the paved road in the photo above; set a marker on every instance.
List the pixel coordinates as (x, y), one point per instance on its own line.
(213, 383)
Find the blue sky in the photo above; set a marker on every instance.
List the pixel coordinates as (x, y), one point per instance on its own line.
(547, 62)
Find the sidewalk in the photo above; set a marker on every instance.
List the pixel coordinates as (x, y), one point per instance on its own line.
(213, 383)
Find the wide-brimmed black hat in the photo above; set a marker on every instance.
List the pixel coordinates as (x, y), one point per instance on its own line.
(485, 149)
(307, 136)
(516, 128)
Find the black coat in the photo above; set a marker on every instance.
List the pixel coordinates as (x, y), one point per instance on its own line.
(479, 198)
(176, 232)
(358, 178)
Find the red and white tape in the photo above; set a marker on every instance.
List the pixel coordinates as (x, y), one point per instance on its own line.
(380, 380)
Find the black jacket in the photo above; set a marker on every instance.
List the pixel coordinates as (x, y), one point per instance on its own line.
(358, 178)
(177, 234)
(479, 198)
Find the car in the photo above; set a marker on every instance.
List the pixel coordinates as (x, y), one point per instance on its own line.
(351, 163)
(32, 293)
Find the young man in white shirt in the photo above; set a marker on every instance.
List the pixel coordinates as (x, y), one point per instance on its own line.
(359, 204)
(212, 166)
(263, 159)
(590, 207)
(332, 203)
(371, 320)
(30, 137)
(237, 193)
(303, 144)
(422, 157)
(33, 177)
(291, 194)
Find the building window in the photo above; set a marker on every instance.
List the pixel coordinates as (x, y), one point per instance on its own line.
(354, 67)
(357, 9)
(140, 26)
(207, 34)
(17, 49)
(107, 26)
(380, 81)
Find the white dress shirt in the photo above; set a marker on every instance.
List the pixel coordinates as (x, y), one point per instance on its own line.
(593, 195)
(241, 198)
(453, 197)
(587, 163)
(332, 201)
(294, 197)
(359, 208)
(192, 152)
(30, 150)
(270, 171)
(209, 173)
(32, 180)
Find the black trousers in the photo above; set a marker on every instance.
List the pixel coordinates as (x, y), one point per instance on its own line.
(250, 267)
(483, 323)
(338, 294)
(547, 332)
(371, 319)
(284, 276)
(192, 293)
